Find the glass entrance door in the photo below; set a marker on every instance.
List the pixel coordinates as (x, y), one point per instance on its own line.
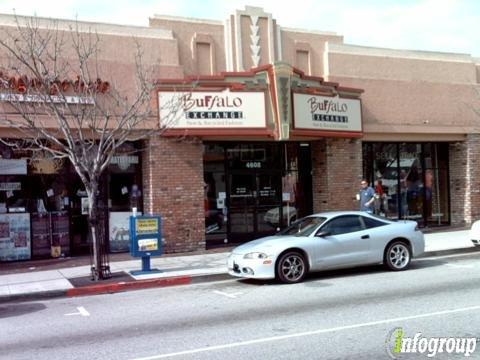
(254, 204)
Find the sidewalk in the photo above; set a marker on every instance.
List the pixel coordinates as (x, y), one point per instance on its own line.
(71, 277)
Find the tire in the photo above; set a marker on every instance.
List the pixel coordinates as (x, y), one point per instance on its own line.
(398, 256)
(291, 267)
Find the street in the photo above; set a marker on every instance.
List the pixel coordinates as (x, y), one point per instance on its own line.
(344, 314)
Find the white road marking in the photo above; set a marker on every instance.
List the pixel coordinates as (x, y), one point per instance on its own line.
(81, 311)
(308, 333)
(233, 296)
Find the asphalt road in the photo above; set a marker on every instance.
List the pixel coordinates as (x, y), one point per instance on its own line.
(347, 314)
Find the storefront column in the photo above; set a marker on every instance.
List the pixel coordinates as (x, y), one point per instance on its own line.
(173, 188)
(465, 180)
(336, 172)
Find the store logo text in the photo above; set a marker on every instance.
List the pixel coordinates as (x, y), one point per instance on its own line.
(326, 105)
(208, 102)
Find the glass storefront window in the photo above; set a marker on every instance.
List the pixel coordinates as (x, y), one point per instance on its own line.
(436, 180)
(124, 179)
(436, 201)
(268, 201)
(410, 180)
(253, 189)
(384, 173)
(215, 191)
(292, 156)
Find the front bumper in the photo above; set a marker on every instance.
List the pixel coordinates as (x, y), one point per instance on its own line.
(251, 268)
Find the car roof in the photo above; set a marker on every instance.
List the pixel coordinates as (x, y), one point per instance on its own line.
(330, 214)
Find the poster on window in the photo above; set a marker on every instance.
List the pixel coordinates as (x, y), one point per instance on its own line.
(14, 237)
(119, 224)
(13, 166)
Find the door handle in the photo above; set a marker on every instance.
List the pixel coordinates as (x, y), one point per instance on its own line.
(365, 237)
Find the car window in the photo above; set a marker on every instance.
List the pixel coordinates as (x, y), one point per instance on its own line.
(382, 218)
(372, 223)
(343, 225)
(303, 227)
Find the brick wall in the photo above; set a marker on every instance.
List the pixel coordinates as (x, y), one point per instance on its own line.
(465, 180)
(336, 171)
(173, 188)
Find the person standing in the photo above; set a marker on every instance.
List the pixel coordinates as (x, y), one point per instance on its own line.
(366, 196)
(379, 198)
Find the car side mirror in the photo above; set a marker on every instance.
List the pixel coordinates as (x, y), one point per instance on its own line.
(322, 234)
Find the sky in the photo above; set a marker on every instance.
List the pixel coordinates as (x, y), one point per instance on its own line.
(431, 25)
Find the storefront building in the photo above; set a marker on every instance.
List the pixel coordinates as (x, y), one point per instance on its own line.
(43, 205)
(276, 123)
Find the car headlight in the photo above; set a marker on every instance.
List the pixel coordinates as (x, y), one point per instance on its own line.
(255, 255)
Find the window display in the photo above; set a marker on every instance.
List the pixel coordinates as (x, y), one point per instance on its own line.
(410, 180)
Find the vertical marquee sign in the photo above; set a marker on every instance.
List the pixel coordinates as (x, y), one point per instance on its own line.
(221, 110)
(326, 113)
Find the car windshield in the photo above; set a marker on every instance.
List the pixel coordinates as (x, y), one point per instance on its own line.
(303, 227)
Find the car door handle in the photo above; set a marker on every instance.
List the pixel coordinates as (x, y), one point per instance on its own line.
(365, 237)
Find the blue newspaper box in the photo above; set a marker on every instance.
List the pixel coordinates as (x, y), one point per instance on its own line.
(145, 238)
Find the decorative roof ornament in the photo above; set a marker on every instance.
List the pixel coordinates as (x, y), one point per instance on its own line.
(255, 37)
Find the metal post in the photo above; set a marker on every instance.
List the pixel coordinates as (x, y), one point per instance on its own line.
(146, 263)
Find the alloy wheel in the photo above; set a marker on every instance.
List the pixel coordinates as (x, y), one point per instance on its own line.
(292, 268)
(399, 256)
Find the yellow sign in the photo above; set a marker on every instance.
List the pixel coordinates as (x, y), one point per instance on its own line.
(147, 226)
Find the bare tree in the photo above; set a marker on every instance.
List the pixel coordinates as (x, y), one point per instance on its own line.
(57, 95)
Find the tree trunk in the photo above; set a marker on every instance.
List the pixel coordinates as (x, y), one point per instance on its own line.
(93, 222)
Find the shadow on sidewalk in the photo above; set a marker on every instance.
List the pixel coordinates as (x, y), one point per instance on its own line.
(117, 277)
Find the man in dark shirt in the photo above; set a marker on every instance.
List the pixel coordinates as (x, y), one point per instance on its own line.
(366, 197)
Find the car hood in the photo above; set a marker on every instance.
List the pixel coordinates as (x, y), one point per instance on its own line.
(267, 245)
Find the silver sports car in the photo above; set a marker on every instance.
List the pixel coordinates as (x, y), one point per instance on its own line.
(327, 241)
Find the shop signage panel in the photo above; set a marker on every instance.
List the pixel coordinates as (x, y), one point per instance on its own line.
(124, 161)
(313, 112)
(145, 236)
(212, 110)
(148, 244)
(13, 166)
(10, 186)
(147, 226)
(47, 99)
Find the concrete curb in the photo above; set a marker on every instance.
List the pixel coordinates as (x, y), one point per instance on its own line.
(450, 252)
(127, 286)
(114, 287)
